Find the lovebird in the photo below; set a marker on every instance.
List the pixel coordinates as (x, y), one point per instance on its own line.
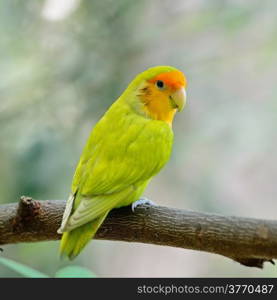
(125, 150)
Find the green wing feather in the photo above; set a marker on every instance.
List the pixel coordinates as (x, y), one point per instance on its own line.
(114, 163)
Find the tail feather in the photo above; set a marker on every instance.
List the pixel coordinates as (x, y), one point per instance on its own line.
(73, 242)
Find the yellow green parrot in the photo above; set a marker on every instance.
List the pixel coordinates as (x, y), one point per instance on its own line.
(126, 148)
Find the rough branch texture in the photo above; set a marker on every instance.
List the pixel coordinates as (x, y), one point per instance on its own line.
(248, 241)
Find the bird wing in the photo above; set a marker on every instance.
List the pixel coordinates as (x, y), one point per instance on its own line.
(115, 159)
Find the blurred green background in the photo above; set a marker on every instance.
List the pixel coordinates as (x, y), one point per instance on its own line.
(64, 62)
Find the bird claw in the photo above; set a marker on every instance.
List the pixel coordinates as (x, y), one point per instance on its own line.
(142, 201)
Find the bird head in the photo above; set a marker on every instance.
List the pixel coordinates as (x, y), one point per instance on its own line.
(160, 93)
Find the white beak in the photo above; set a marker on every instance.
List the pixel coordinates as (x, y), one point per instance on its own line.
(179, 98)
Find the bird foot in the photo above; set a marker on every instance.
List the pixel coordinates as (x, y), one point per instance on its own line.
(142, 201)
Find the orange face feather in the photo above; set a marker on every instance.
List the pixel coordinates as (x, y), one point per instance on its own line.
(174, 79)
(157, 101)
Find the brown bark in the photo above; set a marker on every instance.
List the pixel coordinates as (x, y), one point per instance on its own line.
(248, 241)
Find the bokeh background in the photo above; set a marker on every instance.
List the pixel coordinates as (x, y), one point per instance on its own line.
(64, 62)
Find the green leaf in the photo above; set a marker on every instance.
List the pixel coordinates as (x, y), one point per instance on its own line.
(74, 272)
(21, 269)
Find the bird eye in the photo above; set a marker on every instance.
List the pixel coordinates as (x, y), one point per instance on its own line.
(160, 84)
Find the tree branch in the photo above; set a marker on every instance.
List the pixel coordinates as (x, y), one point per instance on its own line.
(248, 241)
